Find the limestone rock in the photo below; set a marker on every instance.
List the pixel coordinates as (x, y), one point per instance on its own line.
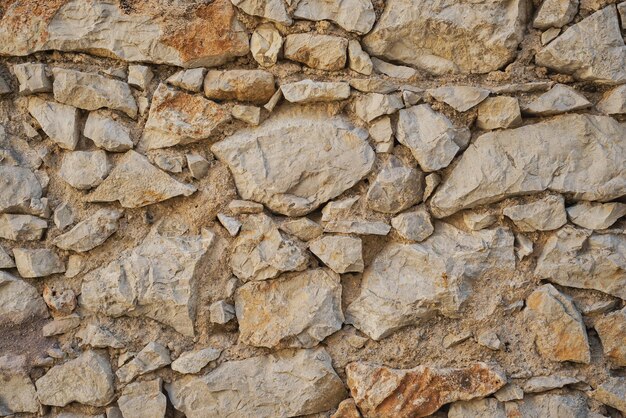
(498, 112)
(613, 102)
(460, 98)
(380, 391)
(125, 286)
(374, 85)
(476, 220)
(403, 284)
(559, 99)
(395, 189)
(33, 78)
(391, 70)
(91, 232)
(20, 190)
(370, 106)
(579, 258)
(61, 301)
(593, 215)
(523, 246)
(194, 361)
(87, 379)
(172, 163)
(84, 169)
(273, 10)
(612, 392)
(5, 88)
(198, 35)
(546, 383)
(6, 262)
(58, 121)
(357, 226)
(428, 36)
(177, 118)
(553, 405)
(143, 400)
(255, 86)
(510, 392)
(545, 214)
(61, 325)
(152, 357)
(382, 133)
(612, 331)
(198, 165)
(107, 133)
(134, 182)
(324, 52)
(19, 301)
(347, 409)
(358, 60)
(477, 408)
(339, 208)
(555, 13)
(17, 391)
(559, 330)
(239, 207)
(415, 225)
(221, 312)
(265, 44)
(281, 384)
(568, 154)
(299, 310)
(37, 263)
(549, 35)
(231, 224)
(431, 137)
(92, 91)
(262, 252)
(309, 91)
(248, 114)
(140, 76)
(342, 254)
(302, 228)
(98, 337)
(190, 80)
(22, 227)
(592, 49)
(297, 160)
(352, 15)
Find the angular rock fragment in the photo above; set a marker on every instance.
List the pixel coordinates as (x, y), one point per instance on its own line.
(382, 133)
(593, 215)
(476, 221)
(407, 282)
(347, 409)
(20, 190)
(198, 35)
(592, 49)
(5, 88)
(194, 361)
(84, 170)
(190, 80)
(352, 15)
(324, 52)
(139, 76)
(19, 301)
(221, 312)
(613, 102)
(612, 331)
(198, 165)
(546, 383)
(359, 227)
(37, 263)
(143, 400)
(299, 310)
(297, 160)
(545, 214)
(107, 133)
(33, 78)
(384, 392)
(549, 35)
(342, 254)
(580, 155)
(22, 227)
(265, 44)
(255, 86)
(559, 330)
(58, 121)
(370, 106)
(287, 383)
(555, 13)
(358, 60)
(61, 302)
(302, 228)
(17, 391)
(248, 114)
(391, 70)
(134, 182)
(498, 112)
(61, 325)
(91, 232)
(152, 357)
(612, 392)
(477, 408)
(126, 285)
(415, 225)
(510, 392)
(552, 405)
(309, 91)
(583, 259)
(6, 262)
(395, 188)
(177, 118)
(239, 207)
(559, 99)
(339, 209)
(231, 224)
(273, 10)
(98, 337)
(92, 91)
(171, 163)
(460, 98)
(87, 379)
(428, 35)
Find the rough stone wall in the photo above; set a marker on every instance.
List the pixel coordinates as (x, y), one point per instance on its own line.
(318, 208)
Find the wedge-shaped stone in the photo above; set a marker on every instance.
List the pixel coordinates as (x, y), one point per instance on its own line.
(559, 99)
(284, 384)
(309, 91)
(177, 118)
(613, 102)
(584, 259)
(107, 133)
(592, 49)
(92, 91)
(541, 215)
(352, 15)
(370, 106)
(134, 182)
(58, 121)
(298, 310)
(395, 188)
(460, 98)
(612, 331)
(87, 379)
(382, 392)
(408, 282)
(126, 286)
(593, 215)
(297, 160)
(612, 392)
(84, 169)
(265, 44)
(342, 254)
(6, 261)
(152, 357)
(498, 112)
(143, 400)
(255, 86)
(190, 80)
(194, 361)
(581, 155)
(91, 232)
(203, 34)
(430, 35)
(555, 13)
(559, 330)
(20, 191)
(19, 301)
(324, 52)
(17, 391)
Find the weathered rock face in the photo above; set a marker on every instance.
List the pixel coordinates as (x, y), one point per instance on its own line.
(553, 405)
(41, 262)
(407, 282)
(342, 254)
(20, 190)
(503, 164)
(17, 392)
(352, 15)
(270, 9)
(284, 156)
(152, 357)
(612, 393)
(612, 331)
(107, 133)
(58, 121)
(84, 169)
(324, 52)
(428, 35)
(125, 286)
(593, 215)
(384, 392)
(194, 361)
(395, 189)
(201, 35)
(282, 384)
(255, 86)
(542, 215)
(143, 400)
(19, 301)
(91, 232)
(294, 311)
(559, 99)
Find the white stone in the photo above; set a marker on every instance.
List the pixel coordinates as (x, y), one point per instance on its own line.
(549, 35)
(107, 133)
(342, 254)
(432, 181)
(265, 44)
(415, 225)
(391, 70)
(489, 339)
(58, 121)
(613, 102)
(143, 400)
(559, 99)
(198, 165)
(302, 228)
(22, 227)
(91, 232)
(545, 214)
(523, 246)
(324, 52)
(61, 325)
(193, 361)
(382, 133)
(152, 357)
(498, 112)
(370, 106)
(190, 80)
(248, 114)
(594, 215)
(84, 169)
(140, 76)
(273, 10)
(352, 15)
(555, 13)
(33, 78)
(221, 312)
(339, 208)
(359, 60)
(37, 263)
(17, 391)
(460, 98)
(309, 91)
(19, 301)
(374, 85)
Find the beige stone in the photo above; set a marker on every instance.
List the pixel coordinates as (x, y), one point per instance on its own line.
(559, 99)
(19, 301)
(555, 13)
(302, 228)
(84, 170)
(273, 10)
(248, 114)
(256, 86)
(498, 112)
(58, 121)
(352, 15)
(358, 60)
(324, 52)
(594, 215)
(395, 188)
(152, 357)
(17, 391)
(309, 91)
(392, 70)
(190, 80)
(33, 78)
(107, 133)
(460, 98)
(370, 106)
(194, 361)
(415, 225)
(342, 254)
(143, 400)
(612, 392)
(613, 102)
(32, 263)
(545, 214)
(22, 227)
(612, 331)
(91, 232)
(265, 44)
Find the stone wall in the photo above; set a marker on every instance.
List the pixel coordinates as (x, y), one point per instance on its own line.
(346, 208)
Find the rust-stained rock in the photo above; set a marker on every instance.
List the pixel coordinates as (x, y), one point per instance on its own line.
(383, 392)
(255, 86)
(347, 409)
(612, 331)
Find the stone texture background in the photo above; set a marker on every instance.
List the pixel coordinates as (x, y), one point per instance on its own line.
(268, 208)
